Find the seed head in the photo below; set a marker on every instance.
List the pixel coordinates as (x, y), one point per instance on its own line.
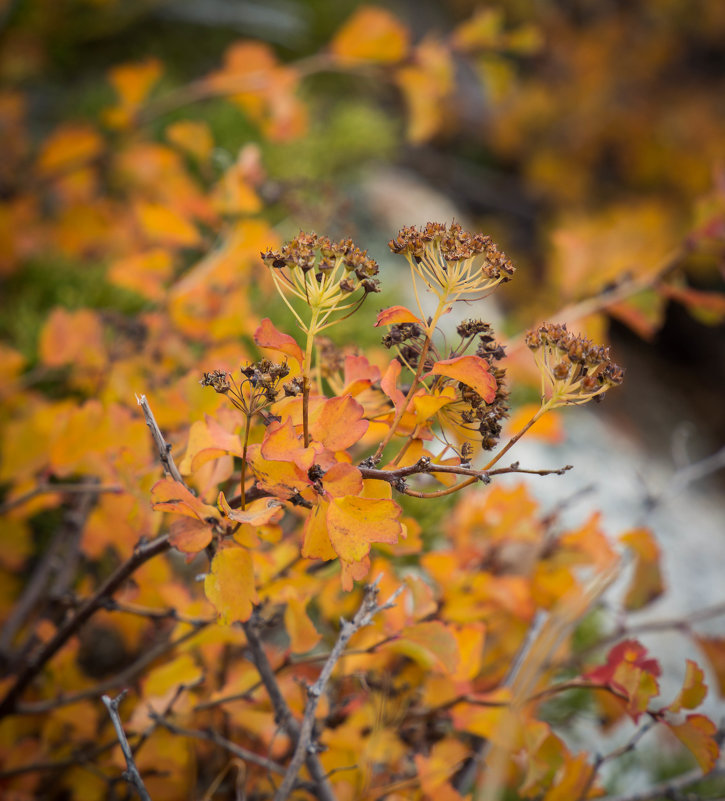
(576, 370)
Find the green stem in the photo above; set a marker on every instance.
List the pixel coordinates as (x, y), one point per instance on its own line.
(306, 367)
(244, 461)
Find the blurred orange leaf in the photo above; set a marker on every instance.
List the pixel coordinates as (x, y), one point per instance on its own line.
(370, 34)
(72, 338)
(161, 224)
(714, 650)
(693, 690)
(698, 734)
(193, 137)
(190, 535)
(69, 147)
(646, 584)
(548, 428)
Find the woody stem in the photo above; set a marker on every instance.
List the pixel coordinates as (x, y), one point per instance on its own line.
(416, 378)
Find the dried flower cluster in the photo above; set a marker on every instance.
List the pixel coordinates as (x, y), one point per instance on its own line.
(322, 273)
(451, 261)
(408, 339)
(486, 417)
(576, 369)
(259, 387)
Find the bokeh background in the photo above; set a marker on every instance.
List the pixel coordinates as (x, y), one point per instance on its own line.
(151, 149)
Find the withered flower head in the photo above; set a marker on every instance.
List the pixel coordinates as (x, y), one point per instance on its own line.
(576, 369)
(259, 387)
(322, 274)
(453, 262)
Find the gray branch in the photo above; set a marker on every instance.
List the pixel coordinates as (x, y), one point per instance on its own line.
(163, 447)
(367, 611)
(131, 774)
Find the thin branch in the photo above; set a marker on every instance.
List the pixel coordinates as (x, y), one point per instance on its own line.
(282, 712)
(124, 677)
(131, 774)
(669, 788)
(142, 553)
(167, 460)
(367, 611)
(60, 764)
(46, 488)
(213, 737)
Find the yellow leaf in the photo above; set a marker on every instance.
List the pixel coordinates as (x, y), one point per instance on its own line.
(69, 147)
(371, 34)
(171, 496)
(164, 225)
(354, 523)
(698, 734)
(302, 632)
(182, 670)
(193, 137)
(646, 584)
(229, 584)
(693, 690)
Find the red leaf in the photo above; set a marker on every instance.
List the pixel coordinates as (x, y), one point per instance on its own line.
(471, 371)
(267, 336)
(396, 314)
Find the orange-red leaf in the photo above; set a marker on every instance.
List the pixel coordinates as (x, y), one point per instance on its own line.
(359, 374)
(267, 336)
(168, 495)
(229, 585)
(354, 523)
(389, 384)
(470, 370)
(342, 479)
(698, 734)
(281, 443)
(396, 314)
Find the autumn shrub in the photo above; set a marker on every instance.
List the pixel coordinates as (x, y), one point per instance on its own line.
(263, 531)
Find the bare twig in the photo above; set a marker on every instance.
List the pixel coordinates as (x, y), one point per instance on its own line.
(669, 788)
(367, 611)
(77, 758)
(45, 488)
(124, 677)
(131, 774)
(164, 448)
(214, 737)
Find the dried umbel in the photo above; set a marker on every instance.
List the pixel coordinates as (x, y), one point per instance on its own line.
(258, 388)
(326, 276)
(485, 417)
(453, 262)
(576, 370)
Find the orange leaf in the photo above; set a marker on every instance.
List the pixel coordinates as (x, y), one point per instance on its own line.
(353, 523)
(267, 336)
(192, 136)
(302, 632)
(162, 224)
(316, 541)
(70, 146)
(371, 34)
(646, 584)
(281, 443)
(359, 374)
(72, 338)
(144, 273)
(714, 650)
(342, 479)
(693, 689)
(133, 82)
(547, 428)
(396, 314)
(339, 423)
(427, 405)
(208, 441)
(698, 734)
(229, 585)
(471, 371)
(168, 495)
(389, 384)
(351, 572)
(189, 535)
(282, 479)
(259, 512)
